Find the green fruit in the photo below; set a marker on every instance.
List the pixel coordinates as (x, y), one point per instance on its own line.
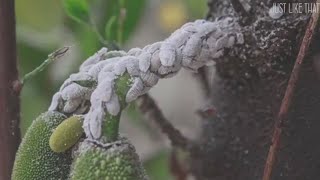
(66, 134)
(35, 160)
(115, 161)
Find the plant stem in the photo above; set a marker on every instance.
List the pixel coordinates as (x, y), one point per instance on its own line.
(111, 125)
(109, 45)
(149, 108)
(51, 57)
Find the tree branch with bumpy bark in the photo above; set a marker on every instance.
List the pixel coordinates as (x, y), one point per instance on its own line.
(9, 96)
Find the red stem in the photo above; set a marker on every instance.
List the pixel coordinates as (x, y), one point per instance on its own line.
(9, 90)
(287, 99)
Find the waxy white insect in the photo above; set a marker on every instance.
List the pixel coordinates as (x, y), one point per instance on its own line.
(149, 79)
(113, 106)
(144, 61)
(56, 101)
(94, 59)
(135, 90)
(168, 54)
(192, 46)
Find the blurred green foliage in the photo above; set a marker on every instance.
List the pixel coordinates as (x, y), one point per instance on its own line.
(158, 167)
(78, 10)
(196, 8)
(38, 14)
(44, 26)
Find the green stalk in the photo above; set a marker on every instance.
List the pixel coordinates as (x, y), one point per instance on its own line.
(110, 127)
(51, 57)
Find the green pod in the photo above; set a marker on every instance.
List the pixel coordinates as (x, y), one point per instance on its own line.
(66, 134)
(115, 161)
(35, 160)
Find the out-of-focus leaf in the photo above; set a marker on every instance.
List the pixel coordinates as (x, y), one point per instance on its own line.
(38, 15)
(157, 167)
(33, 102)
(88, 42)
(134, 10)
(109, 25)
(77, 10)
(137, 118)
(196, 8)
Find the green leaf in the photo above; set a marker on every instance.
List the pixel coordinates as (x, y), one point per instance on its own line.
(109, 25)
(134, 10)
(38, 15)
(78, 10)
(157, 166)
(196, 8)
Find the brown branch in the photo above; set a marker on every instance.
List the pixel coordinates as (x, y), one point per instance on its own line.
(176, 167)
(202, 72)
(203, 80)
(287, 99)
(9, 97)
(209, 15)
(149, 108)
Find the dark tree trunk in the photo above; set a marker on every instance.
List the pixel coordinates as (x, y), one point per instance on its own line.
(247, 91)
(9, 97)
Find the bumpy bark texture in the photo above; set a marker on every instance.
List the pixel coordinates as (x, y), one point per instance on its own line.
(9, 95)
(247, 91)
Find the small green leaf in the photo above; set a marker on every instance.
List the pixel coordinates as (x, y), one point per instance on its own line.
(78, 10)
(134, 11)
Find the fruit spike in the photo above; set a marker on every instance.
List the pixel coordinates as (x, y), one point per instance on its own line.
(112, 161)
(35, 160)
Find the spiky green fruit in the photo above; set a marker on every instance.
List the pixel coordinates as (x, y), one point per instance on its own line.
(35, 160)
(114, 161)
(66, 134)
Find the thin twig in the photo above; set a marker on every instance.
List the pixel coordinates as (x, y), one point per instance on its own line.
(209, 15)
(287, 99)
(51, 57)
(202, 72)
(149, 108)
(111, 45)
(176, 167)
(203, 80)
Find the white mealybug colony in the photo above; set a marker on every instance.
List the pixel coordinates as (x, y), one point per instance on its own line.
(192, 46)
